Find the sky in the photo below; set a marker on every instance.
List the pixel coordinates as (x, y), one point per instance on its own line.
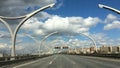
(70, 17)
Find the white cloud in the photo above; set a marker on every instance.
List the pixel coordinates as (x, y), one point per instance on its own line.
(15, 6)
(114, 25)
(110, 18)
(44, 15)
(31, 24)
(4, 34)
(103, 39)
(79, 43)
(100, 38)
(62, 24)
(111, 22)
(39, 32)
(90, 21)
(59, 3)
(3, 46)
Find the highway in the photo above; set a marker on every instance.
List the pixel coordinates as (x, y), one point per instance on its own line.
(71, 61)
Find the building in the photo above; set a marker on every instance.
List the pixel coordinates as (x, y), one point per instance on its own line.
(92, 49)
(71, 51)
(115, 49)
(1, 55)
(86, 51)
(78, 51)
(106, 49)
(109, 49)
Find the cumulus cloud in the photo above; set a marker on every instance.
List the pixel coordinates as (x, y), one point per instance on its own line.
(103, 39)
(100, 38)
(114, 25)
(111, 22)
(110, 18)
(4, 34)
(12, 7)
(32, 24)
(3, 46)
(71, 25)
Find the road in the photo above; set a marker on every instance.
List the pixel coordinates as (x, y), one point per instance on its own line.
(71, 61)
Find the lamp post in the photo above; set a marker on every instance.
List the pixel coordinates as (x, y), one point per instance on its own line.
(24, 19)
(109, 8)
(41, 41)
(91, 38)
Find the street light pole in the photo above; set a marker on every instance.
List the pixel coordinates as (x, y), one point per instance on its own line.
(37, 42)
(24, 19)
(91, 38)
(41, 42)
(109, 8)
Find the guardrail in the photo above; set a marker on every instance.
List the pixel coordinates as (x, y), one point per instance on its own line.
(103, 55)
(7, 58)
(20, 59)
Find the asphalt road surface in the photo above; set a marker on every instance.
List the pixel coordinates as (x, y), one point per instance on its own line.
(71, 61)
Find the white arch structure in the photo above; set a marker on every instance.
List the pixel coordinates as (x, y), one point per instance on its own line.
(109, 8)
(41, 41)
(24, 19)
(92, 39)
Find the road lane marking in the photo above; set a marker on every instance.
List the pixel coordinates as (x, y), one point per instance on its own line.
(52, 60)
(25, 64)
(29, 63)
(69, 60)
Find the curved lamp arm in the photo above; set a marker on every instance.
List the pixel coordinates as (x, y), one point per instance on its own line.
(91, 38)
(25, 18)
(37, 41)
(45, 39)
(109, 8)
(30, 14)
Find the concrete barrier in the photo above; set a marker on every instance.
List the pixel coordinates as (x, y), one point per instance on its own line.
(116, 56)
(21, 59)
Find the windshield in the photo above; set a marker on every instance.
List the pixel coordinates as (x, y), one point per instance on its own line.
(59, 34)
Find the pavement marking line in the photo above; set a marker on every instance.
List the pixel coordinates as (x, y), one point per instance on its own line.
(69, 60)
(27, 63)
(53, 60)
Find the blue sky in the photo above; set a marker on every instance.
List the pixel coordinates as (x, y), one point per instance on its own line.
(68, 16)
(86, 8)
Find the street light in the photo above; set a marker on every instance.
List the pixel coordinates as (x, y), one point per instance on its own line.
(109, 8)
(91, 38)
(41, 42)
(55, 43)
(38, 41)
(24, 19)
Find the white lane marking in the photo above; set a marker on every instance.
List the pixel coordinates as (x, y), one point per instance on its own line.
(52, 60)
(69, 60)
(25, 64)
(28, 63)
